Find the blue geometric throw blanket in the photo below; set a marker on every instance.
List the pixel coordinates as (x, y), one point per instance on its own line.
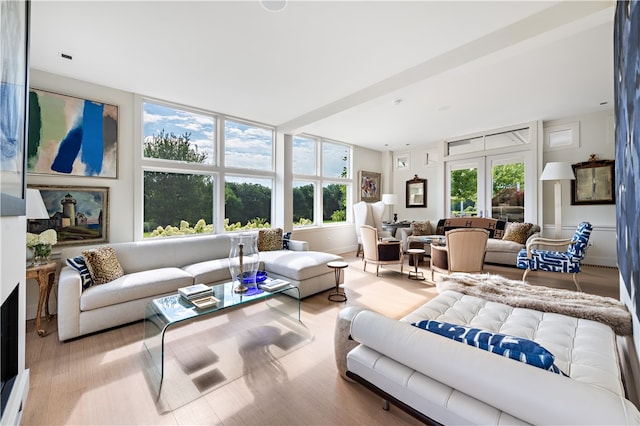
(516, 348)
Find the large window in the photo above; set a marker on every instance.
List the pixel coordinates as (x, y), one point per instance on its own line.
(334, 180)
(181, 171)
(248, 194)
(178, 180)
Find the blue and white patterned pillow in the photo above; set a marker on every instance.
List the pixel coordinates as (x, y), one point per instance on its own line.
(285, 240)
(513, 347)
(79, 264)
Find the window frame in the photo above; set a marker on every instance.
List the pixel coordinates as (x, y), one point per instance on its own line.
(217, 170)
(319, 180)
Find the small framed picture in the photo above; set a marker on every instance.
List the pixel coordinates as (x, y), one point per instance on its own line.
(402, 161)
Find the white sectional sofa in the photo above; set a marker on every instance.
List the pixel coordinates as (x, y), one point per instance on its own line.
(449, 382)
(499, 251)
(158, 267)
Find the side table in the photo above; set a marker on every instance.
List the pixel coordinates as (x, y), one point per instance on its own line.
(45, 275)
(393, 226)
(416, 254)
(337, 296)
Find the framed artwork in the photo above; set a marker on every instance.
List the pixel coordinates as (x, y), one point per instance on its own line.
(416, 192)
(369, 186)
(402, 161)
(79, 214)
(14, 72)
(594, 183)
(71, 136)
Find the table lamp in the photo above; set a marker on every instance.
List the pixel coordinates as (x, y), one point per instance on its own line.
(391, 200)
(558, 171)
(35, 205)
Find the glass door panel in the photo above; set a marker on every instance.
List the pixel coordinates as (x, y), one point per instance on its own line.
(507, 193)
(465, 196)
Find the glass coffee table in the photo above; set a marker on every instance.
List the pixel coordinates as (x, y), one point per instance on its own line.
(165, 312)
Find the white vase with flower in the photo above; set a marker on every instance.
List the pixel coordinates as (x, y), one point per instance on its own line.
(41, 245)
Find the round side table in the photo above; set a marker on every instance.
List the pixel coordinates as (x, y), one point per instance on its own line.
(337, 296)
(416, 254)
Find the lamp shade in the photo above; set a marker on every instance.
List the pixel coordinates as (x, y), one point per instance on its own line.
(557, 171)
(390, 199)
(35, 205)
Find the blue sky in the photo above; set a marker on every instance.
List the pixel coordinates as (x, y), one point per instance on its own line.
(246, 146)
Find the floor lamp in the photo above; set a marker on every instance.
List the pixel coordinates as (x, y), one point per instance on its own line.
(391, 200)
(558, 171)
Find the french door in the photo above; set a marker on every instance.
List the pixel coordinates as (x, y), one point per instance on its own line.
(490, 186)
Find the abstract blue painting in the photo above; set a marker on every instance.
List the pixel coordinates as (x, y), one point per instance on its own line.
(71, 136)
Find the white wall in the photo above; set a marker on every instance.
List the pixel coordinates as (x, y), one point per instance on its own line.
(121, 219)
(12, 273)
(596, 137)
(433, 172)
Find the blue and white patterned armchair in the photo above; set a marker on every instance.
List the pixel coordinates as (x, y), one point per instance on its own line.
(568, 262)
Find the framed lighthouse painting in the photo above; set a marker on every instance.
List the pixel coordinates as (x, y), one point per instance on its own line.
(79, 214)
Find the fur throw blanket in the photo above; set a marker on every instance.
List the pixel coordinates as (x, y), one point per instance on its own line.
(519, 294)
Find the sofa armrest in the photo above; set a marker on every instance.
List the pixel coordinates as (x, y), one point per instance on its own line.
(69, 292)
(526, 392)
(405, 233)
(298, 245)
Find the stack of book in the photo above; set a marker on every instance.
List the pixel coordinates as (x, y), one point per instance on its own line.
(200, 295)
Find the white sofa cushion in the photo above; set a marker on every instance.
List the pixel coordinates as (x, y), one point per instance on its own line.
(137, 285)
(298, 265)
(211, 271)
(585, 350)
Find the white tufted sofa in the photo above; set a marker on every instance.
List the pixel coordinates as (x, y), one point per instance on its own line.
(158, 267)
(438, 379)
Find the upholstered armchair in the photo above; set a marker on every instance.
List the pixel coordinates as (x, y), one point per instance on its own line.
(368, 214)
(568, 261)
(380, 252)
(464, 251)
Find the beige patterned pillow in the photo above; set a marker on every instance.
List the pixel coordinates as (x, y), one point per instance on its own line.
(422, 228)
(103, 264)
(270, 239)
(518, 232)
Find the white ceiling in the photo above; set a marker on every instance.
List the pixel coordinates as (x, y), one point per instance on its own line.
(333, 69)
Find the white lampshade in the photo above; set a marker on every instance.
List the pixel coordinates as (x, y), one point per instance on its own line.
(557, 171)
(390, 199)
(35, 205)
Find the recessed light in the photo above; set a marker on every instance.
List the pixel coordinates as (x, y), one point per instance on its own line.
(274, 5)
(396, 101)
(604, 103)
(66, 56)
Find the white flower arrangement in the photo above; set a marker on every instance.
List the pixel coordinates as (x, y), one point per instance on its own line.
(48, 237)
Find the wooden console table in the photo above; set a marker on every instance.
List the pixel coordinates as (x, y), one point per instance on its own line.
(45, 275)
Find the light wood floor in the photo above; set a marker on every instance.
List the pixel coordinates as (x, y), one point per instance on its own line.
(98, 379)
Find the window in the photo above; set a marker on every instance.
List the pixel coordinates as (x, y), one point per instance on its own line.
(491, 175)
(247, 146)
(181, 171)
(247, 202)
(304, 156)
(179, 135)
(303, 203)
(178, 181)
(335, 180)
(247, 196)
